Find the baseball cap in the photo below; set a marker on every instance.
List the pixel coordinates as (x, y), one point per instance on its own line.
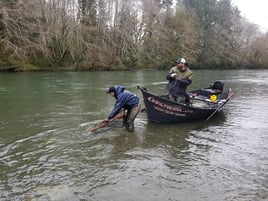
(181, 60)
(110, 90)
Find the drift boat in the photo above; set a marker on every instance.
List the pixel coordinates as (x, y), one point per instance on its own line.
(204, 104)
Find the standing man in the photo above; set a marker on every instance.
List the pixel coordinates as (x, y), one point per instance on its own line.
(124, 100)
(179, 78)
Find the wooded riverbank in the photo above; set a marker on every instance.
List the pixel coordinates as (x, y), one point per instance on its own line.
(109, 35)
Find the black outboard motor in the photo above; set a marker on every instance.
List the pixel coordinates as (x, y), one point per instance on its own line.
(217, 85)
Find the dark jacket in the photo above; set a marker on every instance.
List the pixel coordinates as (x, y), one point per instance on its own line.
(124, 99)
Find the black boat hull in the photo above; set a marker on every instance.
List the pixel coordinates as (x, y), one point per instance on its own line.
(164, 110)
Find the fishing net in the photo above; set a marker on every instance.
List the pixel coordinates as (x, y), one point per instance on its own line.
(115, 123)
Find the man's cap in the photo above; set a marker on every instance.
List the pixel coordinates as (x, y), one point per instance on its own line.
(110, 90)
(180, 60)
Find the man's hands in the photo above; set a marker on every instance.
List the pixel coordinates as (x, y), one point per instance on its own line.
(106, 120)
(173, 74)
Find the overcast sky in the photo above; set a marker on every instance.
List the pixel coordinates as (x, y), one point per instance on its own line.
(255, 11)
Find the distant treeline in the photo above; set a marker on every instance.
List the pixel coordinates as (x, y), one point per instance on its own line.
(128, 34)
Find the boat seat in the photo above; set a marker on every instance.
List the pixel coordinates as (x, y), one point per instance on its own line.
(214, 89)
(210, 91)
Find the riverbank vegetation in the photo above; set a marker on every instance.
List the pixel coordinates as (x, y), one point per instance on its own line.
(127, 34)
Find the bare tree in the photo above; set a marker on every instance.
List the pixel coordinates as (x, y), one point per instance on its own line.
(120, 34)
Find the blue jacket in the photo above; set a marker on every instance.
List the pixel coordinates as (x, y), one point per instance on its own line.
(124, 99)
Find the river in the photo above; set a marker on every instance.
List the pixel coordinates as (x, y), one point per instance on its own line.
(47, 151)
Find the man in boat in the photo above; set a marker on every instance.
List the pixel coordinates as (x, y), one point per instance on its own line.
(127, 101)
(179, 78)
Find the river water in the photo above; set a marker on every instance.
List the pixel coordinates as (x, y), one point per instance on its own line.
(47, 151)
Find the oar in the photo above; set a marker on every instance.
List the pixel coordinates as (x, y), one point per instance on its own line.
(220, 106)
(102, 124)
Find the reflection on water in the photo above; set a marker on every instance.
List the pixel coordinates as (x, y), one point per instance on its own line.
(48, 153)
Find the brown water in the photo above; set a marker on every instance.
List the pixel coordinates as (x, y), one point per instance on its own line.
(48, 153)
